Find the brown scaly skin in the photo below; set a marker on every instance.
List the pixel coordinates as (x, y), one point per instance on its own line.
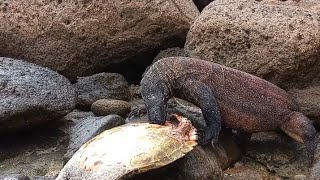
(237, 99)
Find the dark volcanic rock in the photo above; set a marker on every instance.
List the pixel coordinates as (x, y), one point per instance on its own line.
(14, 177)
(197, 164)
(31, 95)
(80, 38)
(104, 107)
(43, 178)
(276, 41)
(101, 86)
(87, 127)
(314, 172)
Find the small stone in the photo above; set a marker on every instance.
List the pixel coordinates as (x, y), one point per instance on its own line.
(101, 86)
(105, 107)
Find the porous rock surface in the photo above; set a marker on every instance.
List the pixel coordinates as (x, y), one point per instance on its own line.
(308, 100)
(100, 86)
(31, 95)
(275, 40)
(79, 38)
(315, 169)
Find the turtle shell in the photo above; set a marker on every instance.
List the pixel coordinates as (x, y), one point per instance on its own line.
(130, 149)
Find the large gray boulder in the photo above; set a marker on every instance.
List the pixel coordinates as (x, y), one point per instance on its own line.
(31, 95)
(278, 41)
(79, 38)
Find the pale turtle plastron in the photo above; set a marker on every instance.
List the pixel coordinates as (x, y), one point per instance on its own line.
(131, 149)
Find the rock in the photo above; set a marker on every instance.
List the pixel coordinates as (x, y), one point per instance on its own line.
(276, 41)
(31, 95)
(79, 38)
(300, 177)
(249, 170)
(280, 154)
(14, 177)
(34, 153)
(43, 178)
(308, 100)
(100, 86)
(314, 172)
(104, 107)
(135, 91)
(197, 164)
(87, 127)
(170, 52)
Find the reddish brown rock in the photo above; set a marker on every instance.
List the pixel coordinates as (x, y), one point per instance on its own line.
(278, 41)
(78, 38)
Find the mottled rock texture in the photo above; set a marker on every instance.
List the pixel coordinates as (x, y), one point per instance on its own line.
(104, 107)
(249, 170)
(31, 95)
(315, 170)
(308, 100)
(14, 177)
(277, 41)
(79, 38)
(101, 86)
(279, 154)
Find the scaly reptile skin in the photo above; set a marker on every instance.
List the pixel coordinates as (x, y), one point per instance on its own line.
(237, 99)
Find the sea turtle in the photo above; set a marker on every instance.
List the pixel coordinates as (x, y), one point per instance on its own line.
(131, 149)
